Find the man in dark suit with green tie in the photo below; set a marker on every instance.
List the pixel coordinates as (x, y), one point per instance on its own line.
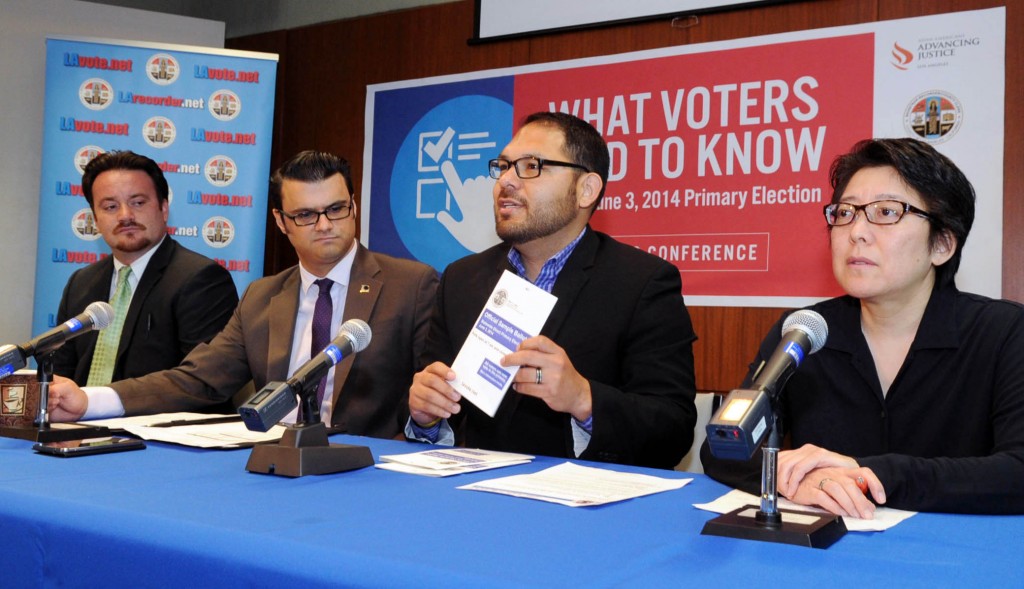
(167, 298)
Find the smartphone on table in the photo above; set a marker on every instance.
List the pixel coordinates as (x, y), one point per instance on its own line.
(70, 448)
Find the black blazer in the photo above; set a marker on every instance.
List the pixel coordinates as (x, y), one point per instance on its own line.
(182, 299)
(621, 319)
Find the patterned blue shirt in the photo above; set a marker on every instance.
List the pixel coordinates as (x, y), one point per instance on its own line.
(549, 272)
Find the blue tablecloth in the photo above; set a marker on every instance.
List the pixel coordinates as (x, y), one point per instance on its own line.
(172, 516)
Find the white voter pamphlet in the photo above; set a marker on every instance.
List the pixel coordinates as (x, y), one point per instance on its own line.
(516, 310)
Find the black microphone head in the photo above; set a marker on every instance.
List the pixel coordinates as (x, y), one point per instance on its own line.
(358, 333)
(101, 313)
(810, 323)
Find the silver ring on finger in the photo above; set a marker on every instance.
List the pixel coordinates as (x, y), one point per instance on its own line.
(540, 376)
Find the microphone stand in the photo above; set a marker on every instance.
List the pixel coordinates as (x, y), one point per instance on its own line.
(769, 515)
(44, 374)
(39, 429)
(768, 524)
(304, 448)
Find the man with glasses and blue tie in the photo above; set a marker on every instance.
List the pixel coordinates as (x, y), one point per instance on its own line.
(285, 319)
(611, 376)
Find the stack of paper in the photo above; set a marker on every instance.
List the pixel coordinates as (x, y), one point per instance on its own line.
(199, 430)
(450, 461)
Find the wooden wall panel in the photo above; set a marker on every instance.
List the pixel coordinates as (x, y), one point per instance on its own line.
(325, 69)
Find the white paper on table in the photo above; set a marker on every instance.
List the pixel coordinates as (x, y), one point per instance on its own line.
(443, 462)
(445, 472)
(515, 311)
(885, 517)
(578, 486)
(448, 458)
(213, 435)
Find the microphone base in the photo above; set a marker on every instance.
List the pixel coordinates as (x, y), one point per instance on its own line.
(799, 528)
(61, 432)
(304, 450)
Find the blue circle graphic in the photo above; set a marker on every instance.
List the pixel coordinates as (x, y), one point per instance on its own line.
(444, 158)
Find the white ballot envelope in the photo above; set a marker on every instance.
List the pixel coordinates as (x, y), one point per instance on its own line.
(515, 311)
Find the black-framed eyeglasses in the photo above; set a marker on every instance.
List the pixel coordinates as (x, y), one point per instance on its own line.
(880, 212)
(335, 212)
(526, 167)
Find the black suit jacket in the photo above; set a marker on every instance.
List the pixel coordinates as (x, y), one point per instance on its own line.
(182, 299)
(371, 388)
(621, 319)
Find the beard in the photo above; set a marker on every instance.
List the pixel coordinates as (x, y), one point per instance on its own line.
(131, 243)
(541, 218)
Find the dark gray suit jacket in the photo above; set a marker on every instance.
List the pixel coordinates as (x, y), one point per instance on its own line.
(621, 319)
(182, 299)
(371, 388)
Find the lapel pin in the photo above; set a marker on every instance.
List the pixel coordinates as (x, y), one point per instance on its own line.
(364, 289)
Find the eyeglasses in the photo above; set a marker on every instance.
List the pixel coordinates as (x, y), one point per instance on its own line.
(333, 213)
(880, 212)
(526, 167)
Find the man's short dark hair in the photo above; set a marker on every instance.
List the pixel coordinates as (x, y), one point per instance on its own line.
(309, 166)
(583, 143)
(947, 194)
(123, 160)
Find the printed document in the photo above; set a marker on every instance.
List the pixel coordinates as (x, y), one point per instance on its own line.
(578, 486)
(444, 462)
(515, 311)
(198, 430)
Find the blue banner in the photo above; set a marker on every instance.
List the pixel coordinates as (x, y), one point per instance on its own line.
(204, 115)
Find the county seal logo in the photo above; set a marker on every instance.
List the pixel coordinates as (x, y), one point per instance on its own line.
(96, 94)
(500, 297)
(934, 116)
(220, 170)
(86, 154)
(83, 224)
(163, 69)
(159, 132)
(218, 232)
(224, 105)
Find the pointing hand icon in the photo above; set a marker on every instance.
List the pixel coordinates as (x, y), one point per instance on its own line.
(475, 199)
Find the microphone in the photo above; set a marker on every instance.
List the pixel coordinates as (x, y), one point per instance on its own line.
(97, 316)
(353, 337)
(803, 333)
(740, 425)
(277, 399)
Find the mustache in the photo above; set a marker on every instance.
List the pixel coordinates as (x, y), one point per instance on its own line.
(506, 193)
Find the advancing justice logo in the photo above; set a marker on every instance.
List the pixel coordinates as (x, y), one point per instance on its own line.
(441, 195)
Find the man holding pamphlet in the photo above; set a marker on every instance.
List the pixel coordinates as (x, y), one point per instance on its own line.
(590, 337)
